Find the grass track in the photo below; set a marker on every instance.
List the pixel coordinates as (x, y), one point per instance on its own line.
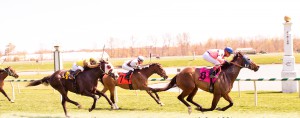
(41, 101)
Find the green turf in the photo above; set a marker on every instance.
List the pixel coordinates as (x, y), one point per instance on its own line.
(41, 101)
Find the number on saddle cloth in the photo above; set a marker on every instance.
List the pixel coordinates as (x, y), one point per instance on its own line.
(204, 74)
(123, 80)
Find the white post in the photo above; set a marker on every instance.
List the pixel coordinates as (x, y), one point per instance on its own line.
(299, 88)
(13, 90)
(19, 91)
(58, 65)
(288, 70)
(116, 95)
(239, 89)
(255, 93)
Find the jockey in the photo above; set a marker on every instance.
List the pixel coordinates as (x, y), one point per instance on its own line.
(79, 65)
(216, 57)
(131, 65)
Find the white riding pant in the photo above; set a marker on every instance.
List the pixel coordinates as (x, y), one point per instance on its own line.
(76, 67)
(206, 56)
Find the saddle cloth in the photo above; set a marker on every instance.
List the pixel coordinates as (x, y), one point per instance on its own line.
(204, 75)
(123, 80)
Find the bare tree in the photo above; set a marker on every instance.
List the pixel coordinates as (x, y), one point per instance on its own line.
(132, 45)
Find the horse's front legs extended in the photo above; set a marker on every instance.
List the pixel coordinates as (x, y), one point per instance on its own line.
(227, 98)
(214, 103)
(4, 93)
(156, 99)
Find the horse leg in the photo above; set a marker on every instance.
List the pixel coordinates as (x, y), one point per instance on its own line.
(161, 104)
(214, 103)
(191, 96)
(65, 98)
(63, 102)
(181, 98)
(102, 93)
(227, 98)
(4, 93)
(87, 93)
(156, 100)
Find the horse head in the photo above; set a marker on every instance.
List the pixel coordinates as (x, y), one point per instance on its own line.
(157, 68)
(11, 72)
(243, 61)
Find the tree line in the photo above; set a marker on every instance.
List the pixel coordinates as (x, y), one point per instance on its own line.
(181, 46)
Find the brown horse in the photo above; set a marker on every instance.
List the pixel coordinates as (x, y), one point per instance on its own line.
(188, 81)
(9, 71)
(139, 80)
(86, 84)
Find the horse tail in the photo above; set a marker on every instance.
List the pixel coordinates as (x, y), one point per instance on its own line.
(45, 81)
(170, 85)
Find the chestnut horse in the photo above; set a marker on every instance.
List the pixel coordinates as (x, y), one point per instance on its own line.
(188, 81)
(9, 71)
(139, 79)
(86, 84)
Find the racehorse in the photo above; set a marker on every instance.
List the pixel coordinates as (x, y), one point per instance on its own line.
(188, 81)
(86, 84)
(9, 71)
(139, 80)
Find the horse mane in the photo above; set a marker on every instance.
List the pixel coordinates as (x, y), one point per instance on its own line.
(226, 65)
(148, 65)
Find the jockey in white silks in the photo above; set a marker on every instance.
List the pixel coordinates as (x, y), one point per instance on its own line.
(131, 65)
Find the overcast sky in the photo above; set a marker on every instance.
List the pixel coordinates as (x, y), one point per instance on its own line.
(75, 24)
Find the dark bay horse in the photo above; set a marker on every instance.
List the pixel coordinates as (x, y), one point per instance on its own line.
(9, 71)
(139, 81)
(188, 81)
(86, 84)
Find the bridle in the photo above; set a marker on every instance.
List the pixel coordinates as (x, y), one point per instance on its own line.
(246, 61)
(8, 71)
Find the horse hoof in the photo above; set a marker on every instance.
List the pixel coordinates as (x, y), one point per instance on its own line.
(162, 104)
(12, 101)
(79, 106)
(189, 110)
(219, 109)
(90, 110)
(198, 108)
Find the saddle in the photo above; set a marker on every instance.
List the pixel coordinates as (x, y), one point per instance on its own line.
(66, 74)
(205, 77)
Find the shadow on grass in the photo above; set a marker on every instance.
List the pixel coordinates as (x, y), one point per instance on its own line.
(120, 109)
(34, 116)
(265, 92)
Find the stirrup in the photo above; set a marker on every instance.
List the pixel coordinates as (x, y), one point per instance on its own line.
(211, 88)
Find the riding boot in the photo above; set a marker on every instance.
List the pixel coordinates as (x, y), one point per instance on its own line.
(128, 74)
(73, 74)
(212, 73)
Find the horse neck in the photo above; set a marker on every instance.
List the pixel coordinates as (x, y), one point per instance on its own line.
(147, 72)
(232, 72)
(95, 73)
(3, 75)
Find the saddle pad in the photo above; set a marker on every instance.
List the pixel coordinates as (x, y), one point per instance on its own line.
(123, 80)
(204, 75)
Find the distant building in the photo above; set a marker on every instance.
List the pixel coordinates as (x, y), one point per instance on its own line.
(246, 50)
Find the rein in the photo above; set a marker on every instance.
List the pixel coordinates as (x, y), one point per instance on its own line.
(237, 64)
